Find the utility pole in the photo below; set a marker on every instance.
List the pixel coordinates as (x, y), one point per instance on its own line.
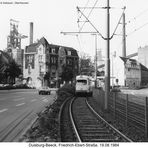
(96, 60)
(124, 36)
(124, 42)
(113, 56)
(107, 59)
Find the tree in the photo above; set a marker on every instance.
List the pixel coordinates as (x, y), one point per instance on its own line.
(67, 74)
(12, 71)
(86, 66)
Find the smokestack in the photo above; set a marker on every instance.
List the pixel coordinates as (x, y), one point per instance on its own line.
(31, 32)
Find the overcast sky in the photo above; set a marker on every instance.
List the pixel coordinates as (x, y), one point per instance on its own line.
(50, 17)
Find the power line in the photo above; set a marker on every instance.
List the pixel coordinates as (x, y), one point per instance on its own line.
(118, 23)
(91, 23)
(137, 29)
(98, 8)
(141, 13)
(88, 15)
(85, 7)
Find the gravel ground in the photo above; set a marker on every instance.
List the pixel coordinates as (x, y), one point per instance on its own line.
(131, 132)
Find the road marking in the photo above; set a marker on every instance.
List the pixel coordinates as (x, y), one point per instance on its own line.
(45, 100)
(132, 93)
(33, 100)
(20, 104)
(18, 99)
(3, 110)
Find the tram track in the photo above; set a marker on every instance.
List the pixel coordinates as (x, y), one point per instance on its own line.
(86, 125)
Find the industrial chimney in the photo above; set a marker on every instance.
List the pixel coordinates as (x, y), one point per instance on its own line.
(31, 32)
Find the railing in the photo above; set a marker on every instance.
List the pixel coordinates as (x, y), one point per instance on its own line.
(130, 109)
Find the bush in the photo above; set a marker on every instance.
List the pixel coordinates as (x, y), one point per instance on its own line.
(20, 86)
(67, 89)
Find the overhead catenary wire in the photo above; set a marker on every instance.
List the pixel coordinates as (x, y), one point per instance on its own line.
(118, 23)
(79, 17)
(84, 8)
(90, 23)
(133, 19)
(87, 16)
(137, 29)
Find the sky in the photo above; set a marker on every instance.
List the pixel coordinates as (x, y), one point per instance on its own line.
(51, 17)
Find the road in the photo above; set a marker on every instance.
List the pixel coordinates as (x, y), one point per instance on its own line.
(140, 92)
(137, 96)
(18, 109)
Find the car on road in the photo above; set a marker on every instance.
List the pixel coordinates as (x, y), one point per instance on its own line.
(44, 90)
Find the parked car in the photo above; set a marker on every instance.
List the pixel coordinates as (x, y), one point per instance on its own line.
(44, 90)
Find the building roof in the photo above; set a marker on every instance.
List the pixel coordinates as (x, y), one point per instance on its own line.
(143, 67)
(73, 51)
(31, 47)
(133, 60)
(44, 42)
(125, 59)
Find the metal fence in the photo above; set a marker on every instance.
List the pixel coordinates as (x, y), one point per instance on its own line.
(130, 109)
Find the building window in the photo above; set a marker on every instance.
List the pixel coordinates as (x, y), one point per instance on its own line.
(55, 60)
(53, 50)
(69, 53)
(40, 58)
(69, 62)
(29, 69)
(52, 60)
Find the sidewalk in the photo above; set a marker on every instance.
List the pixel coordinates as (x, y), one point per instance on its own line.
(17, 90)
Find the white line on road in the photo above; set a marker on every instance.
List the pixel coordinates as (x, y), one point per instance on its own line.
(45, 100)
(18, 99)
(132, 93)
(3, 110)
(20, 104)
(33, 100)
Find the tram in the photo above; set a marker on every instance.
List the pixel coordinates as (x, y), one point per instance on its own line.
(83, 85)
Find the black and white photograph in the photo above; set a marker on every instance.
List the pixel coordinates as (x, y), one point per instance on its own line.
(73, 73)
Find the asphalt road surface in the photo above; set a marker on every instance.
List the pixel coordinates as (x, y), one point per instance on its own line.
(137, 96)
(18, 109)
